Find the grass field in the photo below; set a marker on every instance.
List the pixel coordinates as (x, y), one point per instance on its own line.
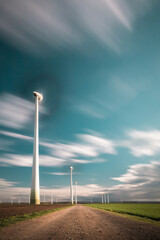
(145, 210)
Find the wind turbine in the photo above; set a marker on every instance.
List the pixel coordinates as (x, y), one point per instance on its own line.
(71, 188)
(75, 192)
(35, 198)
(52, 196)
(108, 198)
(121, 198)
(102, 197)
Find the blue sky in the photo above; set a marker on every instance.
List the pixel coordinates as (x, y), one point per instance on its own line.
(97, 65)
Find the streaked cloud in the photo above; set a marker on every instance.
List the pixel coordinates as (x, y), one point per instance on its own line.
(59, 173)
(82, 161)
(88, 149)
(16, 135)
(140, 181)
(5, 183)
(31, 24)
(51, 161)
(100, 143)
(91, 146)
(26, 160)
(143, 143)
(16, 112)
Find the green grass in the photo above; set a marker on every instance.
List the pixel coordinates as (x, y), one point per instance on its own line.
(143, 210)
(14, 219)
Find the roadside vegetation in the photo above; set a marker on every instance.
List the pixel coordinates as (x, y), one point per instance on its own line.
(144, 210)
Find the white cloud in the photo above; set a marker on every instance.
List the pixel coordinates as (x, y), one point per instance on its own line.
(59, 173)
(16, 135)
(101, 144)
(4, 183)
(92, 145)
(81, 161)
(51, 161)
(45, 161)
(96, 160)
(16, 160)
(143, 143)
(140, 181)
(89, 147)
(138, 174)
(26, 160)
(16, 112)
(29, 24)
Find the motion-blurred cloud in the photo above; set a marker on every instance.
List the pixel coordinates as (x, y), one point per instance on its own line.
(58, 24)
(16, 112)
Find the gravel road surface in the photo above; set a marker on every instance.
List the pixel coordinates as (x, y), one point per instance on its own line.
(80, 222)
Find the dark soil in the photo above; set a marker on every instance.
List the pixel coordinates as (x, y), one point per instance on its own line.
(7, 210)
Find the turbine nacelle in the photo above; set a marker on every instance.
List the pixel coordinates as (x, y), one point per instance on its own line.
(37, 94)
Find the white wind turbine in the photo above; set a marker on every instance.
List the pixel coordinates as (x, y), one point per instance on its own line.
(71, 187)
(35, 198)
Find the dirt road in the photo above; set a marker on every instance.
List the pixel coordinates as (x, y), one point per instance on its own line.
(80, 222)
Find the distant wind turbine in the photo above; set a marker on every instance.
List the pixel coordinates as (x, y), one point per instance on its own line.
(102, 197)
(71, 187)
(75, 192)
(108, 197)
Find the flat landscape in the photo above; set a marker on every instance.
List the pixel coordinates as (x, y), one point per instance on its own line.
(81, 222)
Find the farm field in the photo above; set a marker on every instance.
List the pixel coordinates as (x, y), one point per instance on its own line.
(10, 214)
(145, 210)
(7, 210)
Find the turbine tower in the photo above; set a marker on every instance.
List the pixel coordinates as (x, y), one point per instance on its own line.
(71, 188)
(75, 192)
(35, 198)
